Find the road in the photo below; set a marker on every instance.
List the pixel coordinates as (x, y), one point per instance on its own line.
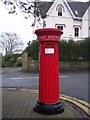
(71, 83)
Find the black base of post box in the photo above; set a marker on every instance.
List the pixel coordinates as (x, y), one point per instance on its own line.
(44, 108)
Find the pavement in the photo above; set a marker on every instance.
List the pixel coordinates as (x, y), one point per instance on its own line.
(19, 103)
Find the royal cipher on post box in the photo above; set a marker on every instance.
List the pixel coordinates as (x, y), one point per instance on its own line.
(49, 101)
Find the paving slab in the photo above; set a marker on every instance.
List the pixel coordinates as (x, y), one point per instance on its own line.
(17, 103)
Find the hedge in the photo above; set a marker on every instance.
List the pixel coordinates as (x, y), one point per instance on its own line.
(68, 50)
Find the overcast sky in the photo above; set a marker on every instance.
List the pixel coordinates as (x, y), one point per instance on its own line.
(17, 24)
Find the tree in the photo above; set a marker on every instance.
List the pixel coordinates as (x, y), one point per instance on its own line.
(11, 43)
(28, 8)
(33, 49)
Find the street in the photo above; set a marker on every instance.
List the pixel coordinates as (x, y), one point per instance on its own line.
(74, 83)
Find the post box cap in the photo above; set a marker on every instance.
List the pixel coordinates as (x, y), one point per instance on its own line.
(48, 34)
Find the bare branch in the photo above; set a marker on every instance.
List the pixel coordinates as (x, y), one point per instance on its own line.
(28, 8)
(10, 42)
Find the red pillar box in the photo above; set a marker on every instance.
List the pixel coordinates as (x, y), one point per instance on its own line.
(49, 101)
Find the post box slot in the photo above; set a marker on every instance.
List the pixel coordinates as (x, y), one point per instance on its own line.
(49, 44)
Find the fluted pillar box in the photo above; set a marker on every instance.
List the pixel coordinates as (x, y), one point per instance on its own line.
(49, 100)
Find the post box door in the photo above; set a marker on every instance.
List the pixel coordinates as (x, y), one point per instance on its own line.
(49, 72)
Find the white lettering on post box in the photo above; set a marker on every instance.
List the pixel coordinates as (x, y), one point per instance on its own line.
(49, 50)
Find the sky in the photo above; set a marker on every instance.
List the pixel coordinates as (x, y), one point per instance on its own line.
(17, 24)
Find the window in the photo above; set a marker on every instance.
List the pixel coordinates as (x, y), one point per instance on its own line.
(60, 9)
(59, 13)
(76, 32)
(60, 27)
(76, 12)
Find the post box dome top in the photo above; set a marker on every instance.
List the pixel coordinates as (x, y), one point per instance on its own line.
(48, 31)
(48, 34)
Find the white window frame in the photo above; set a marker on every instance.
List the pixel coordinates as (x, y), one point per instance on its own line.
(76, 32)
(61, 25)
(79, 32)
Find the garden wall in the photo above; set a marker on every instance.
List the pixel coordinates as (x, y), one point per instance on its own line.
(28, 64)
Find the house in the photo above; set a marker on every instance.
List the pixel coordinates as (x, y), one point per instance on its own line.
(70, 16)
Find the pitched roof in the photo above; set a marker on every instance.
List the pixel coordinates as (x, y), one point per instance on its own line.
(44, 7)
(78, 8)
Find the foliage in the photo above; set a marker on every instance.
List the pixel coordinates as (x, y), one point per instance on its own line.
(68, 50)
(33, 49)
(11, 43)
(1, 56)
(9, 60)
(19, 61)
(74, 50)
(84, 49)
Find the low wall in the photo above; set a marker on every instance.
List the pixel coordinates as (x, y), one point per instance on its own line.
(73, 65)
(24, 61)
(33, 65)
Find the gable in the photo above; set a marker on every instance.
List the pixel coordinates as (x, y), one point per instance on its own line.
(53, 11)
(77, 8)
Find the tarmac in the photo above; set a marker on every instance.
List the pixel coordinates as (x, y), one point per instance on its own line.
(19, 103)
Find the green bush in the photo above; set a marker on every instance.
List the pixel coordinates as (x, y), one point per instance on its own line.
(19, 61)
(74, 50)
(84, 49)
(68, 50)
(9, 60)
(1, 57)
(7, 57)
(33, 49)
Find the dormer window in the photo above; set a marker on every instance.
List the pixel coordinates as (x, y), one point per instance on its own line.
(60, 9)
(76, 12)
